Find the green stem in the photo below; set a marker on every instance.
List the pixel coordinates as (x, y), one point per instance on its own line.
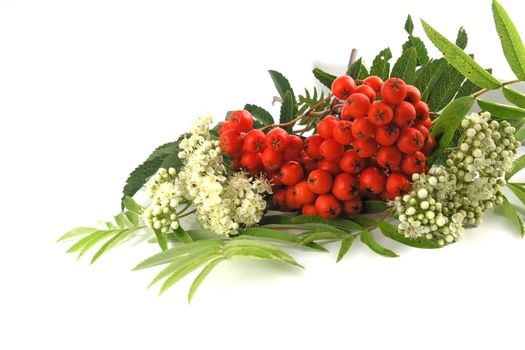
(184, 209)
(505, 83)
(188, 213)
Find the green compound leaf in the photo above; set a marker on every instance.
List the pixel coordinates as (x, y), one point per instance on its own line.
(514, 97)
(368, 239)
(287, 110)
(409, 25)
(512, 215)
(260, 114)
(279, 236)
(79, 231)
(428, 76)
(373, 207)
(357, 70)
(112, 242)
(510, 40)
(309, 221)
(448, 123)
(502, 111)
(381, 64)
(518, 190)
(462, 38)
(460, 60)
(138, 177)
(417, 43)
(90, 240)
(391, 232)
(182, 235)
(346, 243)
(202, 275)
(281, 84)
(445, 88)
(405, 67)
(130, 204)
(324, 78)
(258, 250)
(517, 165)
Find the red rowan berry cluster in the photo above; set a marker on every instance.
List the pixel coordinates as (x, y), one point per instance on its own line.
(369, 149)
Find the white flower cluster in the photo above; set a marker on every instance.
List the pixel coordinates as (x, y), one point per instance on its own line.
(222, 203)
(164, 191)
(451, 196)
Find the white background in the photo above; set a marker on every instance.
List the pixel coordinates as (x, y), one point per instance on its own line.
(89, 88)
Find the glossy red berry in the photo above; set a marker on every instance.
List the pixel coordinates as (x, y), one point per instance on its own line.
(393, 91)
(251, 160)
(331, 149)
(309, 210)
(277, 139)
(429, 146)
(372, 180)
(291, 153)
(414, 163)
(308, 164)
(271, 159)
(374, 82)
(404, 114)
(329, 165)
(328, 206)
(343, 87)
(241, 120)
(254, 141)
(312, 145)
(362, 129)
(422, 111)
(295, 142)
(397, 184)
(380, 113)
(343, 132)
(413, 94)
(352, 206)
(387, 135)
(368, 91)
(320, 181)
(389, 157)
(366, 148)
(291, 173)
(279, 200)
(351, 163)
(231, 142)
(291, 199)
(304, 194)
(358, 105)
(345, 187)
(325, 127)
(225, 126)
(410, 140)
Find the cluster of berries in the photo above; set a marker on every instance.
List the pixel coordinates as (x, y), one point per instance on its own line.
(368, 149)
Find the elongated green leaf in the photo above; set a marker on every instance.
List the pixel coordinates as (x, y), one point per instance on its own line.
(116, 239)
(520, 134)
(417, 43)
(255, 249)
(409, 25)
(518, 190)
(429, 75)
(133, 218)
(368, 239)
(162, 239)
(391, 232)
(130, 204)
(346, 243)
(510, 213)
(287, 110)
(92, 236)
(373, 207)
(260, 114)
(121, 220)
(276, 235)
(357, 70)
(307, 219)
(502, 111)
(364, 221)
(281, 84)
(79, 231)
(514, 97)
(448, 123)
(320, 234)
(138, 177)
(324, 78)
(462, 38)
(511, 42)
(95, 239)
(182, 235)
(445, 88)
(517, 165)
(202, 275)
(171, 254)
(381, 64)
(201, 234)
(405, 67)
(460, 60)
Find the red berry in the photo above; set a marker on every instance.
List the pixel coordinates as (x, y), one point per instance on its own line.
(368, 91)
(225, 126)
(277, 139)
(362, 129)
(424, 131)
(254, 141)
(413, 94)
(393, 91)
(328, 206)
(331, 149)
(366, 148)
(380, 113)
(352, 206)
(279, 199)
(343, 87)
(309, 210)
(320, 181)
(304, 194)
(329, 165)
(241, 121)
(236, 163)
(427, 122)
(351, 163)
(410, 140)
(231, 142)
(422, 111)
(429, 146)
(343, 132)
(291, 153)
(386, 135)
(414, 163)
(291, 173)
(404, 114)
(345, 112)
(372, 180)
(358, 105)
(389, 156)
(345, 187)
(251, 160)
(291, 199)
(275, 179)
(397, 184)
(312, 145)
(295, 142)
(325, 127)
(309, 164)
(271, 159)
(374, 82)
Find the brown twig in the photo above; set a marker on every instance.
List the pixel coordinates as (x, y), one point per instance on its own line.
(482, 91)
(353, 56)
